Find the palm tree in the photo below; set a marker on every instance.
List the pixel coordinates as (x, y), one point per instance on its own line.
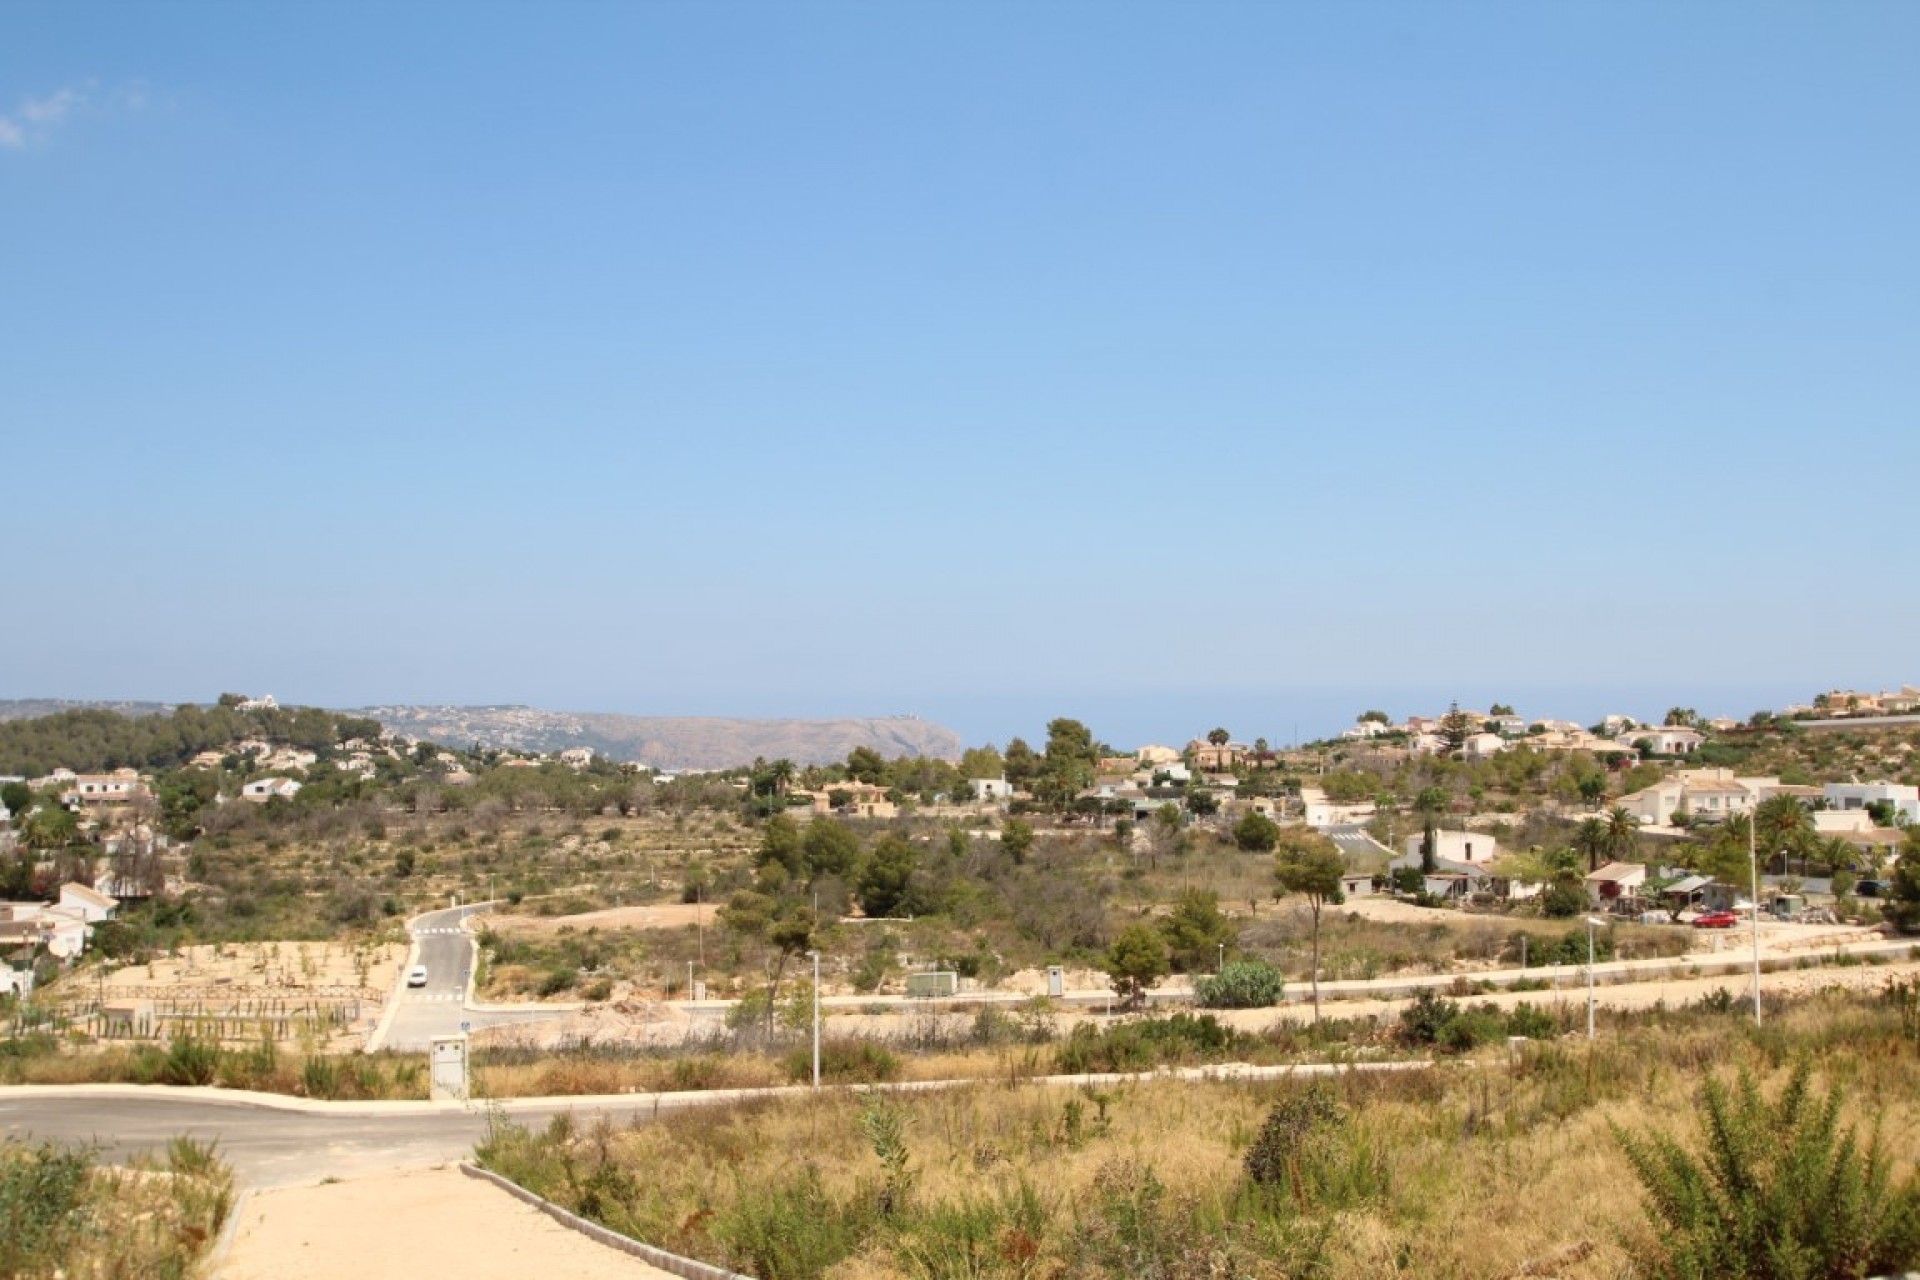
(1590, 838)
(1834, 852)
(1781, 826)
(1623, 835)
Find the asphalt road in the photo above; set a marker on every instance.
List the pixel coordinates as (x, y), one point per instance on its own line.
(295, 1143)
(439, 1008)
(270, 1146)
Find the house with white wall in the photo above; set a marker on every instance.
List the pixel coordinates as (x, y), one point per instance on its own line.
(1468, 848)
(88, 903)
(1858, 795)
(1483, 746)
(1712, 795)
(1669, 740)
(261, 790)
(1322, 812)
(1614, 882)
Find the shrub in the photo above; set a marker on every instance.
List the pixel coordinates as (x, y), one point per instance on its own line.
(1781, 1189)
(1422, 1021)
(1244, 984)
(1310, 1156)
(40, 1194)
(1531, 1021)
(1468, 1029)
(1143, 1045)
(190, 1061)
(1563, 899)
(844, 1061)
(787, 1230)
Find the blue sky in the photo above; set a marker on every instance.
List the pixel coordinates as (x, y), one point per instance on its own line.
(1161, 365)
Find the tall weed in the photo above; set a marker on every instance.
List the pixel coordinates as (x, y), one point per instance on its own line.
(1781, 1186)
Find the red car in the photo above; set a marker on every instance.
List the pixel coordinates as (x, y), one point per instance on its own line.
(1716, 920)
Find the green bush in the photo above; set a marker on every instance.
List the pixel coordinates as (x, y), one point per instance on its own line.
(844, 1061)
(1149, 1043)
(789, 1230)
(1564, 898)
(1244, 984)
(1423, 1021)
(41, 1189)
(1431, 1020)
(1468, 1029)
(1531, 1021)
(1308, 1155)
(190, 1061)
(1781, 1190)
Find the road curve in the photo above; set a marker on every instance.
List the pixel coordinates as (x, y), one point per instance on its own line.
(272, 1141)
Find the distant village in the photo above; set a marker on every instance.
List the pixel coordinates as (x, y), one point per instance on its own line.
(1211, 781)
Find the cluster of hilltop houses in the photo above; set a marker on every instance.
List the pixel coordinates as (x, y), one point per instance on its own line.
(1846, 703)
(59, 929)
(1492, 734)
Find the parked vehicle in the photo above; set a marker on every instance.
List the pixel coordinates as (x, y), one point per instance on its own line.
(1716, 920)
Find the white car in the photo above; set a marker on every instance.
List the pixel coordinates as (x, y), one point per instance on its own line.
(417, 976)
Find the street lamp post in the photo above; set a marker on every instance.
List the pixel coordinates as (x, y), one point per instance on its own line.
(1221, 963)
(1753, 871)
(1591, 922)
(816, 1018)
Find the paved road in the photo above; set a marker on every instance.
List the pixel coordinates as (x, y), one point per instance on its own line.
(1355, 842)
(440, 1008)
(288, 1142)
(271, 1146)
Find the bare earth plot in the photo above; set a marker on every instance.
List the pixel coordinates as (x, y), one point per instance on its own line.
(410, 1223)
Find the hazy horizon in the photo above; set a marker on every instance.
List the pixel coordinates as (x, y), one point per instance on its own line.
(1131, 719)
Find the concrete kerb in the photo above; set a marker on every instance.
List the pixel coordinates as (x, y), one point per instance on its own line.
(223, 1243)
(672, 1262)
(385, 1026)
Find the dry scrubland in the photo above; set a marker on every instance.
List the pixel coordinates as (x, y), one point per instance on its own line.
(1489, 1166)
(64, 1215)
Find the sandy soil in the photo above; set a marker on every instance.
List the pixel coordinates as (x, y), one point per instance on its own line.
(407, 1224)
(288, 967)
(664, 915)
(251, 982)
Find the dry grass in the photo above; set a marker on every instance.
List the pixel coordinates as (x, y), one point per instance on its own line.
(1483, 1167)
(63, 1215)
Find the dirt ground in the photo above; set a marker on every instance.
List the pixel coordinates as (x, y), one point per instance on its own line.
(664, 915)
(289, 990)
(282, 967)
(437, 1221)
(409, 1223)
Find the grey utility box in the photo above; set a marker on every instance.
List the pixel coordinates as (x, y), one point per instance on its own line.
(447, 1069)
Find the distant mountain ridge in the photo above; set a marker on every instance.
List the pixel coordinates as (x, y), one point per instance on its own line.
(663, 742)
(670, 742)
(34, 708)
